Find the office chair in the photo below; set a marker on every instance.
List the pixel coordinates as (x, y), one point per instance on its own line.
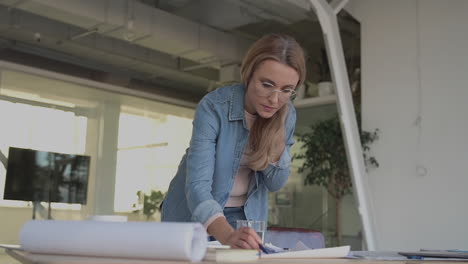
(286, 237)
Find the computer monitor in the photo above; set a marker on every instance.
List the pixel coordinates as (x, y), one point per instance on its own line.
(42, 176)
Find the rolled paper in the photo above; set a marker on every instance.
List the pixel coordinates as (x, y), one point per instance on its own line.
(133, 240)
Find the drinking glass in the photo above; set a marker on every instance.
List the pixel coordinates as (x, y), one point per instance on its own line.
(257, 225)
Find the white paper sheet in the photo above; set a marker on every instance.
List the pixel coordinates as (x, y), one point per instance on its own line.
(143, 240)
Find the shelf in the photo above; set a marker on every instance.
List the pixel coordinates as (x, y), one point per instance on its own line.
(315, 101)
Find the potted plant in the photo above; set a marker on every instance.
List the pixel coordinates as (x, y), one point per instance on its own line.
(151, 202)
(325, 162)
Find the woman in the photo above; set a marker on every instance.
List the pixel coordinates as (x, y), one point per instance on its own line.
(240, 145)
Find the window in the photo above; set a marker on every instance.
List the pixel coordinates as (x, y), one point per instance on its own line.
(150, 147)
(134, 143)
(30, 121)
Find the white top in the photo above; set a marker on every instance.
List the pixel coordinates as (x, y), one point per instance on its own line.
(238, 195)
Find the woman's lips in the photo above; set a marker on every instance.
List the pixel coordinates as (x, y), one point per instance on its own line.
(268, 108)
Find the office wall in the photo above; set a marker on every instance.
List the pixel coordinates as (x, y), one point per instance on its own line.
(415, 64)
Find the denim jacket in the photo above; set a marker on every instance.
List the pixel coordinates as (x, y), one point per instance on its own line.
(205, 177)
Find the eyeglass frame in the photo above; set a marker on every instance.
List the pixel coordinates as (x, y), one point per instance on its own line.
(270, 91)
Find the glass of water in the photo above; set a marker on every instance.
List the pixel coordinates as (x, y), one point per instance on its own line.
(257, 225)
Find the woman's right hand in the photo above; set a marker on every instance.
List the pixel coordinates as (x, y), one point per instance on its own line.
(244, 237)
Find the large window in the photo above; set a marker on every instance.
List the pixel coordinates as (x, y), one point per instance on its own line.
(135, 144)
(33, 122)
(150, 147)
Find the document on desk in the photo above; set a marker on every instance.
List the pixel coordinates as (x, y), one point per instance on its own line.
(131, 240)
(334, 252)
(445, 254)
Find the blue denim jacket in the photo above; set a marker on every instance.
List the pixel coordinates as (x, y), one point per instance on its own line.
(205, 176)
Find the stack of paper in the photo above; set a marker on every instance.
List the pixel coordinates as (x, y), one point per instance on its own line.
(230, 255)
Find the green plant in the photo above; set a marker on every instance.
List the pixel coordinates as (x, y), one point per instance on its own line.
(325, 162)
(151, 202)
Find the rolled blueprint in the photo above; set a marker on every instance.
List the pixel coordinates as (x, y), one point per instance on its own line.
(133, 240)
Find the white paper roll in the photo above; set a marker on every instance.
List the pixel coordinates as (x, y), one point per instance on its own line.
(137, 240)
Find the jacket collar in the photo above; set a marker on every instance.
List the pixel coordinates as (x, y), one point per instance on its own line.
(236, 104)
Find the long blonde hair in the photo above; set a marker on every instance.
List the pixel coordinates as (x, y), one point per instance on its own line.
(267, 133)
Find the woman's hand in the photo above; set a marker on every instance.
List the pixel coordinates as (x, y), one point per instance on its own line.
(244, 237)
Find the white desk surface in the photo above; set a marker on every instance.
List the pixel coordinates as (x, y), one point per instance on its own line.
(20, 256)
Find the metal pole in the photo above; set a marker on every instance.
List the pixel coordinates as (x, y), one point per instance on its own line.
(328, 21)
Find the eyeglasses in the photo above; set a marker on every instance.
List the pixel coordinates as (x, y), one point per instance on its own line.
(265, 89)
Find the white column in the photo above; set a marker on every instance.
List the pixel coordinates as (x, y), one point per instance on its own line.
(102, 136)
(328, 21)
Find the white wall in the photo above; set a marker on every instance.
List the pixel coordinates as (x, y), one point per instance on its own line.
(415, 60)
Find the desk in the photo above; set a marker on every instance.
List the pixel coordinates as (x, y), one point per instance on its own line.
(20, 256)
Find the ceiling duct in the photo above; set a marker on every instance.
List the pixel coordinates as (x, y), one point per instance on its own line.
(140, 24)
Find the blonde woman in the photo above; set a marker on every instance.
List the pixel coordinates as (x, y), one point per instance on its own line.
(240, 144)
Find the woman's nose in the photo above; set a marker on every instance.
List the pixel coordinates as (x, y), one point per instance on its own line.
(274, 97)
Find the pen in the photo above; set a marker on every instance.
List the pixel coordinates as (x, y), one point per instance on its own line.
(264, 250)
(415, 257)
